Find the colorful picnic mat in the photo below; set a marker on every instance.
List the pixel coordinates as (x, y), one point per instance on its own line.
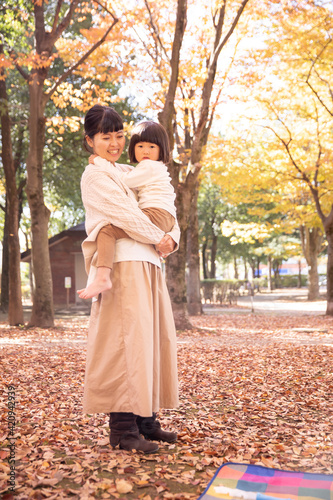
(254, 482)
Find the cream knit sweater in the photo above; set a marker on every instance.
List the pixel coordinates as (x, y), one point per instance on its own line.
(107, 200)
(152, 182)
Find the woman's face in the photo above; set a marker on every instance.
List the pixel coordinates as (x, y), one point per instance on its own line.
(108, 146)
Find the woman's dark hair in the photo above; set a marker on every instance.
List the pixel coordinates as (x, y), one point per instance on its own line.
(150, 132)
(100, 119)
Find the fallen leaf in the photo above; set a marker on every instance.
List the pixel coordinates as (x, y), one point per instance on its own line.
(123, 486)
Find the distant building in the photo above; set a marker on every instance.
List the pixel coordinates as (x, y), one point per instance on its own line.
(66, 262)
(288, 267)
(295, 266)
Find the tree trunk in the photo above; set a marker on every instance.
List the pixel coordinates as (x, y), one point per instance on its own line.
(329, 309)
(42, 309)
(253, 268)
(176, 262)
(299, 278)
(177, 286)
(276, 264)
(41, 62)
(328, 226)
(235, 268)
(176, 265)
(311, 239)
(313, 291)
(195, 140)
(213, 257)
(246, 273)
(193, 262)
(5, 267)
(15, 308)
(204, 260)
(269, 281)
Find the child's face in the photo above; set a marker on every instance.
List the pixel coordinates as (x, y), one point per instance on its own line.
(108, 146)
(146, 151)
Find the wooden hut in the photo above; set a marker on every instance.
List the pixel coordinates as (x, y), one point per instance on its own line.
(67, 265)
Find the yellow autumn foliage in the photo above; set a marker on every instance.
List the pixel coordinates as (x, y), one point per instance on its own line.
(246, 233)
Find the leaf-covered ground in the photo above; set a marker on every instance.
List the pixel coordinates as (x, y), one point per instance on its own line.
(254, 389)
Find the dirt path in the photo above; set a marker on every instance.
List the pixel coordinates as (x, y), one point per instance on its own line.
(283, 301)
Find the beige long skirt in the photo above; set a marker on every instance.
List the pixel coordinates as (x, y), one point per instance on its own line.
(131, 353)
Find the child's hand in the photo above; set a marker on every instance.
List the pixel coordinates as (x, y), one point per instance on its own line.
(91, 159)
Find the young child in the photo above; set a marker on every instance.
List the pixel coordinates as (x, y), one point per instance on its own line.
(149, 147)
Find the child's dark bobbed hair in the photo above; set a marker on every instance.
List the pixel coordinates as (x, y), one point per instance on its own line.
(101, 119)
(150, 132)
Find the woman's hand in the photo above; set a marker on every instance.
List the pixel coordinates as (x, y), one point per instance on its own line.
(165, 246)
(91, 159)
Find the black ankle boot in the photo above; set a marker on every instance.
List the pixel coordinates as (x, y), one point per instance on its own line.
(151, 429)
(124, 431)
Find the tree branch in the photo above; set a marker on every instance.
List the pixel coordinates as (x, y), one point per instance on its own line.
(56, 33)
(319, 154)
(23, 73)
(155, 30)
(319, 98)
(21, 187)
(202, 130)
(309, 76)
(220, 12)
(327, 85)
(63, 77)
(215, 104)
(221, 44)
(168, 112)
(314, 190)
(56, 16)
(19, 68)
(144, 44)
(105, 8)
(58, 30)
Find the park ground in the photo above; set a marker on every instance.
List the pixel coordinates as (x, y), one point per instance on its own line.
(256, 385)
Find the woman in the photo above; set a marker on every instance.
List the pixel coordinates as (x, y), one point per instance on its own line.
(149, 147)
(131, 369)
